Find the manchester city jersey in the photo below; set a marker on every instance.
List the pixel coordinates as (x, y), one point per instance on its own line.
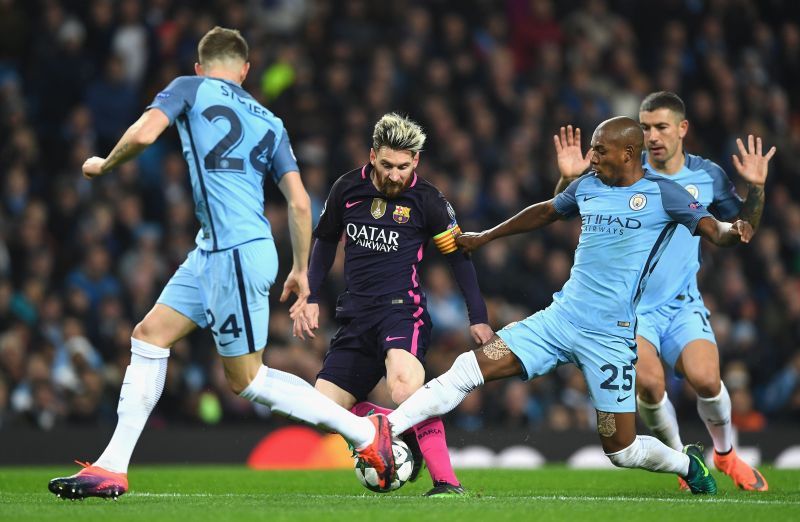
(624, 233)
(677, 271)
(230, 143)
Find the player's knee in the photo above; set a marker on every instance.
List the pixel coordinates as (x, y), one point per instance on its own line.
(144, 331)
(402, 391)
(707, 386)
(237, 385)
(650, 386)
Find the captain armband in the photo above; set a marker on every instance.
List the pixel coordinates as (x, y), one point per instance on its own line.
(446, 241)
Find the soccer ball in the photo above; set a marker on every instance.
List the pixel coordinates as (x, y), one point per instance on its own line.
(403, 462)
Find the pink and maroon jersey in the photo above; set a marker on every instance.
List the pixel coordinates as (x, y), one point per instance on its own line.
(385, 238)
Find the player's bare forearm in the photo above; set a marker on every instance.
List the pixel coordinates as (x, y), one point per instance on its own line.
(725, 234)
(533, 217)
(299, 213)
(137, 137)
(300, 231)
(753, 206)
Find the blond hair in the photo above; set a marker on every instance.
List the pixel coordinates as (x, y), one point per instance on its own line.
(398, 133)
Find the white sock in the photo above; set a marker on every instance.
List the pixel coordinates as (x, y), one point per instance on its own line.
(141, 389)
(661, 420)
(440, 395)
(293, 397)
(716, 413)
(651, 454)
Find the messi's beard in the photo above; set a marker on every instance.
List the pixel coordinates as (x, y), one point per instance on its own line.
(392, 189)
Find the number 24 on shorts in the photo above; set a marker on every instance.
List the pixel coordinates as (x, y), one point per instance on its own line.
(230, 326)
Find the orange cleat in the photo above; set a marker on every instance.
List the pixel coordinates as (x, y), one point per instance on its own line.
(379, 453)
(744, 476)
(682, 485)
(91, 481)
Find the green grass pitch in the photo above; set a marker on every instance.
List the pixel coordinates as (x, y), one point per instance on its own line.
(221, 493)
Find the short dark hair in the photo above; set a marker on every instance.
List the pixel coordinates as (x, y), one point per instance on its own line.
(664, 100)
(220, 43)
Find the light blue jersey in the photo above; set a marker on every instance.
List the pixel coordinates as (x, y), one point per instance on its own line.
(676, 274)
(592, 321)
(625, 232)
(230, 143)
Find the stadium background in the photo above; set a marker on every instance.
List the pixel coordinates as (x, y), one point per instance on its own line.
(491, 81)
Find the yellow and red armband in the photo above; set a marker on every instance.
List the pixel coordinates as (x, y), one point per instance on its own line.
(446, 241)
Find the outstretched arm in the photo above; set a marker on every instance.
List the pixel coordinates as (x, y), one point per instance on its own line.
(724, 234)
(753, 168)
(533, 217)
(571, 162)
(299, 209)
(138, 137)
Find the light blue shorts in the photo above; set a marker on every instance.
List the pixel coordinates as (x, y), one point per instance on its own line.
(676, 324)
(227, 292)
(547, 339)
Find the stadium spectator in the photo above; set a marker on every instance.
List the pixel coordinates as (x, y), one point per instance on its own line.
(487, 86)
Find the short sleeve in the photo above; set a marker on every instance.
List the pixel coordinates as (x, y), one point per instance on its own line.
(565, 203)
(178, 97)
(330, 223)
(726, 204)
(680, 205)
(442, 223)
(284, 159)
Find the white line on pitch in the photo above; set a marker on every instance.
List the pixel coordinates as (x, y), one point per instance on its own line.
(702, 500)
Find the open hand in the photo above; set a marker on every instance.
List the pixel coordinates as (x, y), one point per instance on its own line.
(571, 161)
(752, 166)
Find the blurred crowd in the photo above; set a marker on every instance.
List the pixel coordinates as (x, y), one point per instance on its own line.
(491, 81)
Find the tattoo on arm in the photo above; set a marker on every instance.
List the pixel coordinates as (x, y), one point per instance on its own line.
(606, 424)
(495, 349)
(117, 156)
(753, 206)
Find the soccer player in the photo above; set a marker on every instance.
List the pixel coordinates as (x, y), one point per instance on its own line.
(673, 321)
(231, 144)
(628, 217)
(388, 214)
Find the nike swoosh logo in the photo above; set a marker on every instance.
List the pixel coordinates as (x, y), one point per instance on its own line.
(353, 203)
(587, 198)
(702, 465)
(621, 399)
(394, 338)
(759, 483)
(221, 345)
